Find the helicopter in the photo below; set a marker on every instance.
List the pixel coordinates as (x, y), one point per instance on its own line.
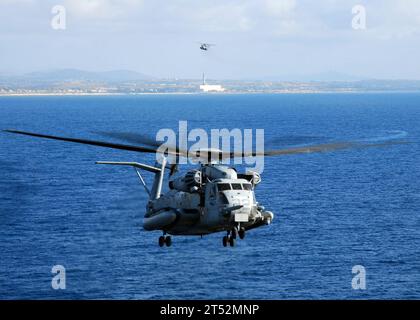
(206, 46)
(213, 197)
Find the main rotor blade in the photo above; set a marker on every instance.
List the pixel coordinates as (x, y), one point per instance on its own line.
(141, 139)
(88, 142)
(130, 137)
(310, 149)
(224, 155)
(290, 141)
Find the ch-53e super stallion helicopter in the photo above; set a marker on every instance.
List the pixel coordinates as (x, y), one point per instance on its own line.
(211, 198)
(206, 46)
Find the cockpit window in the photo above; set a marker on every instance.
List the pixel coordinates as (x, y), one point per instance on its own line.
(247, 186)
(223, 186)
(236, 186)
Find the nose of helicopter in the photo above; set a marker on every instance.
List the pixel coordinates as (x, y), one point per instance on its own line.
(238, 204)
(247, 214)
(241, 213)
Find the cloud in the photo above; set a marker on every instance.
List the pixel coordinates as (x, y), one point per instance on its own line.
(101, 9)
(228, 16)
(16, 2)
(204, 15)
(393, 20)
(183, 15)
(279, 8)
(251, 33)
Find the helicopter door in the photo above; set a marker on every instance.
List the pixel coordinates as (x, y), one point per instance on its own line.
(212, 213)
(212, 195)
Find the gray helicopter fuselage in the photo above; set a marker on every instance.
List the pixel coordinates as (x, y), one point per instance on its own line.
(218, 203)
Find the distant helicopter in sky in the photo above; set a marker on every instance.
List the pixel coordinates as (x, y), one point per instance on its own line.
(206, 46)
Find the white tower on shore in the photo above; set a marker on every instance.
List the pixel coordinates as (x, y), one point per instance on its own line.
(210, 87)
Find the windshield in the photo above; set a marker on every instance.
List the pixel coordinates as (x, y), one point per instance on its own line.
(247, 186)
(223, 186)
(236, 186)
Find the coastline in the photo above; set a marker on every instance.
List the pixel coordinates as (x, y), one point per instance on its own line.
(52, 94)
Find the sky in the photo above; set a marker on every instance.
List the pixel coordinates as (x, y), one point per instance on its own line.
(255, 39)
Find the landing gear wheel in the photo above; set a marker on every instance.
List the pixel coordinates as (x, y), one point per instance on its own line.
(168, 241)
(234, 233)
(231, 241)
(161, 241)
(241, 233)
(225, 241)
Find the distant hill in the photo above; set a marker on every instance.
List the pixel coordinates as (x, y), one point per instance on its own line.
(66, 75)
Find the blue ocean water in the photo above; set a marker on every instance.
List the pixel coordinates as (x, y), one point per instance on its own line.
(332, 210)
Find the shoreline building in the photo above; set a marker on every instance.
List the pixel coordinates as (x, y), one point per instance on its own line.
(211, 87)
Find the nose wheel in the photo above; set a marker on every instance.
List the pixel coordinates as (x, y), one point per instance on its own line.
(231, 236)
(165, 240)
(228, 240)
(234, 233)
(241, 233)
(225, 241)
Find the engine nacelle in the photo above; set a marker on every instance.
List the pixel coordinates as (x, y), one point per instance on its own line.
(251, 176)
(256, 177)
(188, 183)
